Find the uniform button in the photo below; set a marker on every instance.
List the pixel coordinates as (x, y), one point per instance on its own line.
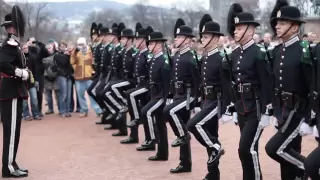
(284, 49)
(205, 84)
(280, 85)
(176, 64)
(281, 64)
(205, 62)
(176, 73)
(238, 79)
(282, 57)
(239, 74)
(240, 57)
(280, 71)
(238, 68)
(238, 62)
(205, 68)
(241, 51)
(176, 69)
(280, 78)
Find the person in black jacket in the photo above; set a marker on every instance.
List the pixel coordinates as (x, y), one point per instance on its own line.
(31, 64)
(39, 50)
(65, 71)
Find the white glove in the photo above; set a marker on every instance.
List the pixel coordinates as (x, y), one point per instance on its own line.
(275, 123)
(315, 131)
(225, 118)
(235, 118)
(305, 129)
(18, 72)
(25, 75)
(264, 121)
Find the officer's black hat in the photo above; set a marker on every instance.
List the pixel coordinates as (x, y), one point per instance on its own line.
(282, 11)
(178, 24)
(113, 30)
(7, 20)
(207, 26)
(149, 30)
(236, 16)
(18, 21)
(184, 30)
(156, 36)
(138, 26)
(127, 33)
(121, 27)
(94, 29)
(104, 31)
(142, 33)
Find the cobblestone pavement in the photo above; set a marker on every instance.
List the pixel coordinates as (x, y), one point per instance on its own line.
(77, 149)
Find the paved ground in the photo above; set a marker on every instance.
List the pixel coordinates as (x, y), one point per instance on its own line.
(76, 149)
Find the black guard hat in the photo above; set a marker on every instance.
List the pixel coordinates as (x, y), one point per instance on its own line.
(211, 28)
(104, 31)
(205, 18)
(184, 30)
(142, 33)
(289, 13)
(127, 33)
(245, 18)
(94, 29)
(178, 24)
(7, 20)
(156, 36)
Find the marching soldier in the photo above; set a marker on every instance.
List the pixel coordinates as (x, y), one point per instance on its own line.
(13, 91)
(104, 52)
(140, 92)
(112, 77)
(312, 164)
(116, 90)
(204, 125)
(158, 84)
(293, 73)
(251, 91)
(185, 81)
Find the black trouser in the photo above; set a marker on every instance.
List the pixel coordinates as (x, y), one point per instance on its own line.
(103, 93)
(285, 148)
(178, 116)
(204, 126)
(40, 92)
(133, 97)
(151, 112)
(92, 90)
(11, 112)
(248, 145)
(312, 164)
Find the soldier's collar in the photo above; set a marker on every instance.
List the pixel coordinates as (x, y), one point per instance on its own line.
(16, 38)
(128, 49)
(184, 50)
(117, 45)
(292, 40)
(215, 50)
(248, 44)
(143, 50)
(158, 55)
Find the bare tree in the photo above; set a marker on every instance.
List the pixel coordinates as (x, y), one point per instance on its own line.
(141, 12)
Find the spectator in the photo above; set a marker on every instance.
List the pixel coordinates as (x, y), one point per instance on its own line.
(65, 71)
(31, 64)
(256, 38)
(305, 37)
(81, 60)
(267, 39)
(50, 81)
(313, 38)
(233, 44)
(38, 50)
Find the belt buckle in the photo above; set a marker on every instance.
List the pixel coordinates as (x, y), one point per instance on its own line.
(176, 85)
(240, 88)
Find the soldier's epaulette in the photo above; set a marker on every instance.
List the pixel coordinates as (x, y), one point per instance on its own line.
(110, 47)
(135, 52)
(149, 57)
(306, 54)
(199, 57)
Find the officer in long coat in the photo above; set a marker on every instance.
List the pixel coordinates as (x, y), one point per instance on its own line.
(185, 79)
(204, 125)
(13, 91)
(158, 85)
(251, 90)
(138, 97)
(293, 73)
